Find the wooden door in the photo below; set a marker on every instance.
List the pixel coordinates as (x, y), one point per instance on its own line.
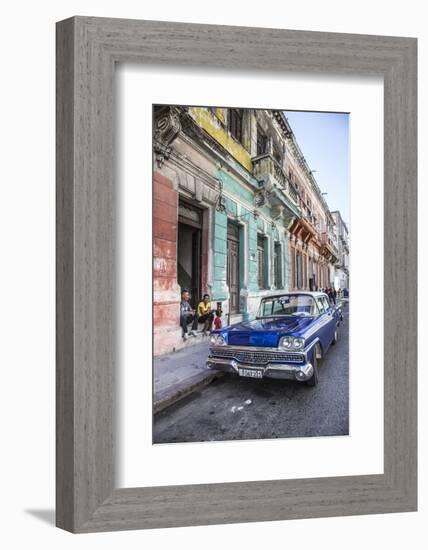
(261, 269)
(277, 266)
(233, 266)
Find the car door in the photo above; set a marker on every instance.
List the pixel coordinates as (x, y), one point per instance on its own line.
(325, 332)
(332, 318)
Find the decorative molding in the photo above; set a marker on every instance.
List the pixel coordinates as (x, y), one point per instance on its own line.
(167, 128)
(261, 198)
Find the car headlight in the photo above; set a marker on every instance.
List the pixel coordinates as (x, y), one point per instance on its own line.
(298, 343)
(217, 340)
(288, 342)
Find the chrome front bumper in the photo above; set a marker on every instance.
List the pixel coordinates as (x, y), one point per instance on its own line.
(300, 372)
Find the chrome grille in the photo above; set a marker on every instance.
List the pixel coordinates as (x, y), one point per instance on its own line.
(257, 357)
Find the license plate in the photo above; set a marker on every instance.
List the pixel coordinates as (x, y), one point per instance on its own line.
(251, 373)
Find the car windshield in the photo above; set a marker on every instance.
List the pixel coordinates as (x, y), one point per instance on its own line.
(289, 304)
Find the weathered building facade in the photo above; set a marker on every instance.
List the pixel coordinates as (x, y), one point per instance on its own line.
(313, 251)
(341, 275)
(236, 214)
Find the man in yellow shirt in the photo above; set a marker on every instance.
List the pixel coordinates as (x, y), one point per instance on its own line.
(205, 315)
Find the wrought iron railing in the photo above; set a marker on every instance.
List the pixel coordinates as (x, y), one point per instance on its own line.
(292, 191)
(327, 240)
(266, 164)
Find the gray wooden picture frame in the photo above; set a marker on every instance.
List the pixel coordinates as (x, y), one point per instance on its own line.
(87, 50)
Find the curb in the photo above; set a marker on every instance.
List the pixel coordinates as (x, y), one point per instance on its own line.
(168, 397)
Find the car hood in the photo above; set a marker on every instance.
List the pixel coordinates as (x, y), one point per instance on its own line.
(266, 332)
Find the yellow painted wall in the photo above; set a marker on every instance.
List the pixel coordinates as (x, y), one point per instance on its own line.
(220, 113)
(206, 120)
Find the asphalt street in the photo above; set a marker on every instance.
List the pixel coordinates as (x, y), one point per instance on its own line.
(234, 408)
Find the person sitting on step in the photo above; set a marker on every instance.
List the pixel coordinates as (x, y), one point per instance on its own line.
(187, 315)
(205, 314)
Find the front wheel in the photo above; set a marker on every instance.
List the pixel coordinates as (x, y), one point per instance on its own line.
(313, 380)
(334, 341)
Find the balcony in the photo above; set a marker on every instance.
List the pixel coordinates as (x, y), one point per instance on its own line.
(328, 246)
(304, 228)
(268, 171)
(293, 192)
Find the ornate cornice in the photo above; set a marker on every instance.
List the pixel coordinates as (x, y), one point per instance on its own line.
(167, 128)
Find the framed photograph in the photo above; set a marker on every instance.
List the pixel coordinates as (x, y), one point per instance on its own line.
(251, 278)
(236, 274)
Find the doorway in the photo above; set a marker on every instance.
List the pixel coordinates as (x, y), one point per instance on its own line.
(189, 239)
(233, 266)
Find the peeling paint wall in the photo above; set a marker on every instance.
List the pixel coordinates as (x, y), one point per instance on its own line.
(215, 126)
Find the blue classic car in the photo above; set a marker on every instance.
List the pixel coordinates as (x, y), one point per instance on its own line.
(290, 334)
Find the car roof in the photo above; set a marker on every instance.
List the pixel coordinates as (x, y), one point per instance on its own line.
(294, 293)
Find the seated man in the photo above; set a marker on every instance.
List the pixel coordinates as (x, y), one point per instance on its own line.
(205, 314)
(187, 315)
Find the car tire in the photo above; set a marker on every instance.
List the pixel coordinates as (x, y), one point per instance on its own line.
(313, 380)
(334, 341)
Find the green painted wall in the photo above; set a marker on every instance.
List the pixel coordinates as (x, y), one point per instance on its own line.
(245, 195)
(232, 186)
(220, 256)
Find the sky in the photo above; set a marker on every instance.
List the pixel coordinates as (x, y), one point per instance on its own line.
(323, 139)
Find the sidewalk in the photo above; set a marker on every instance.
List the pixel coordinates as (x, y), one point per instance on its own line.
(179, 374)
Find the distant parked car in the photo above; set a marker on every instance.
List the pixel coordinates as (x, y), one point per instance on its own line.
(290, 334)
